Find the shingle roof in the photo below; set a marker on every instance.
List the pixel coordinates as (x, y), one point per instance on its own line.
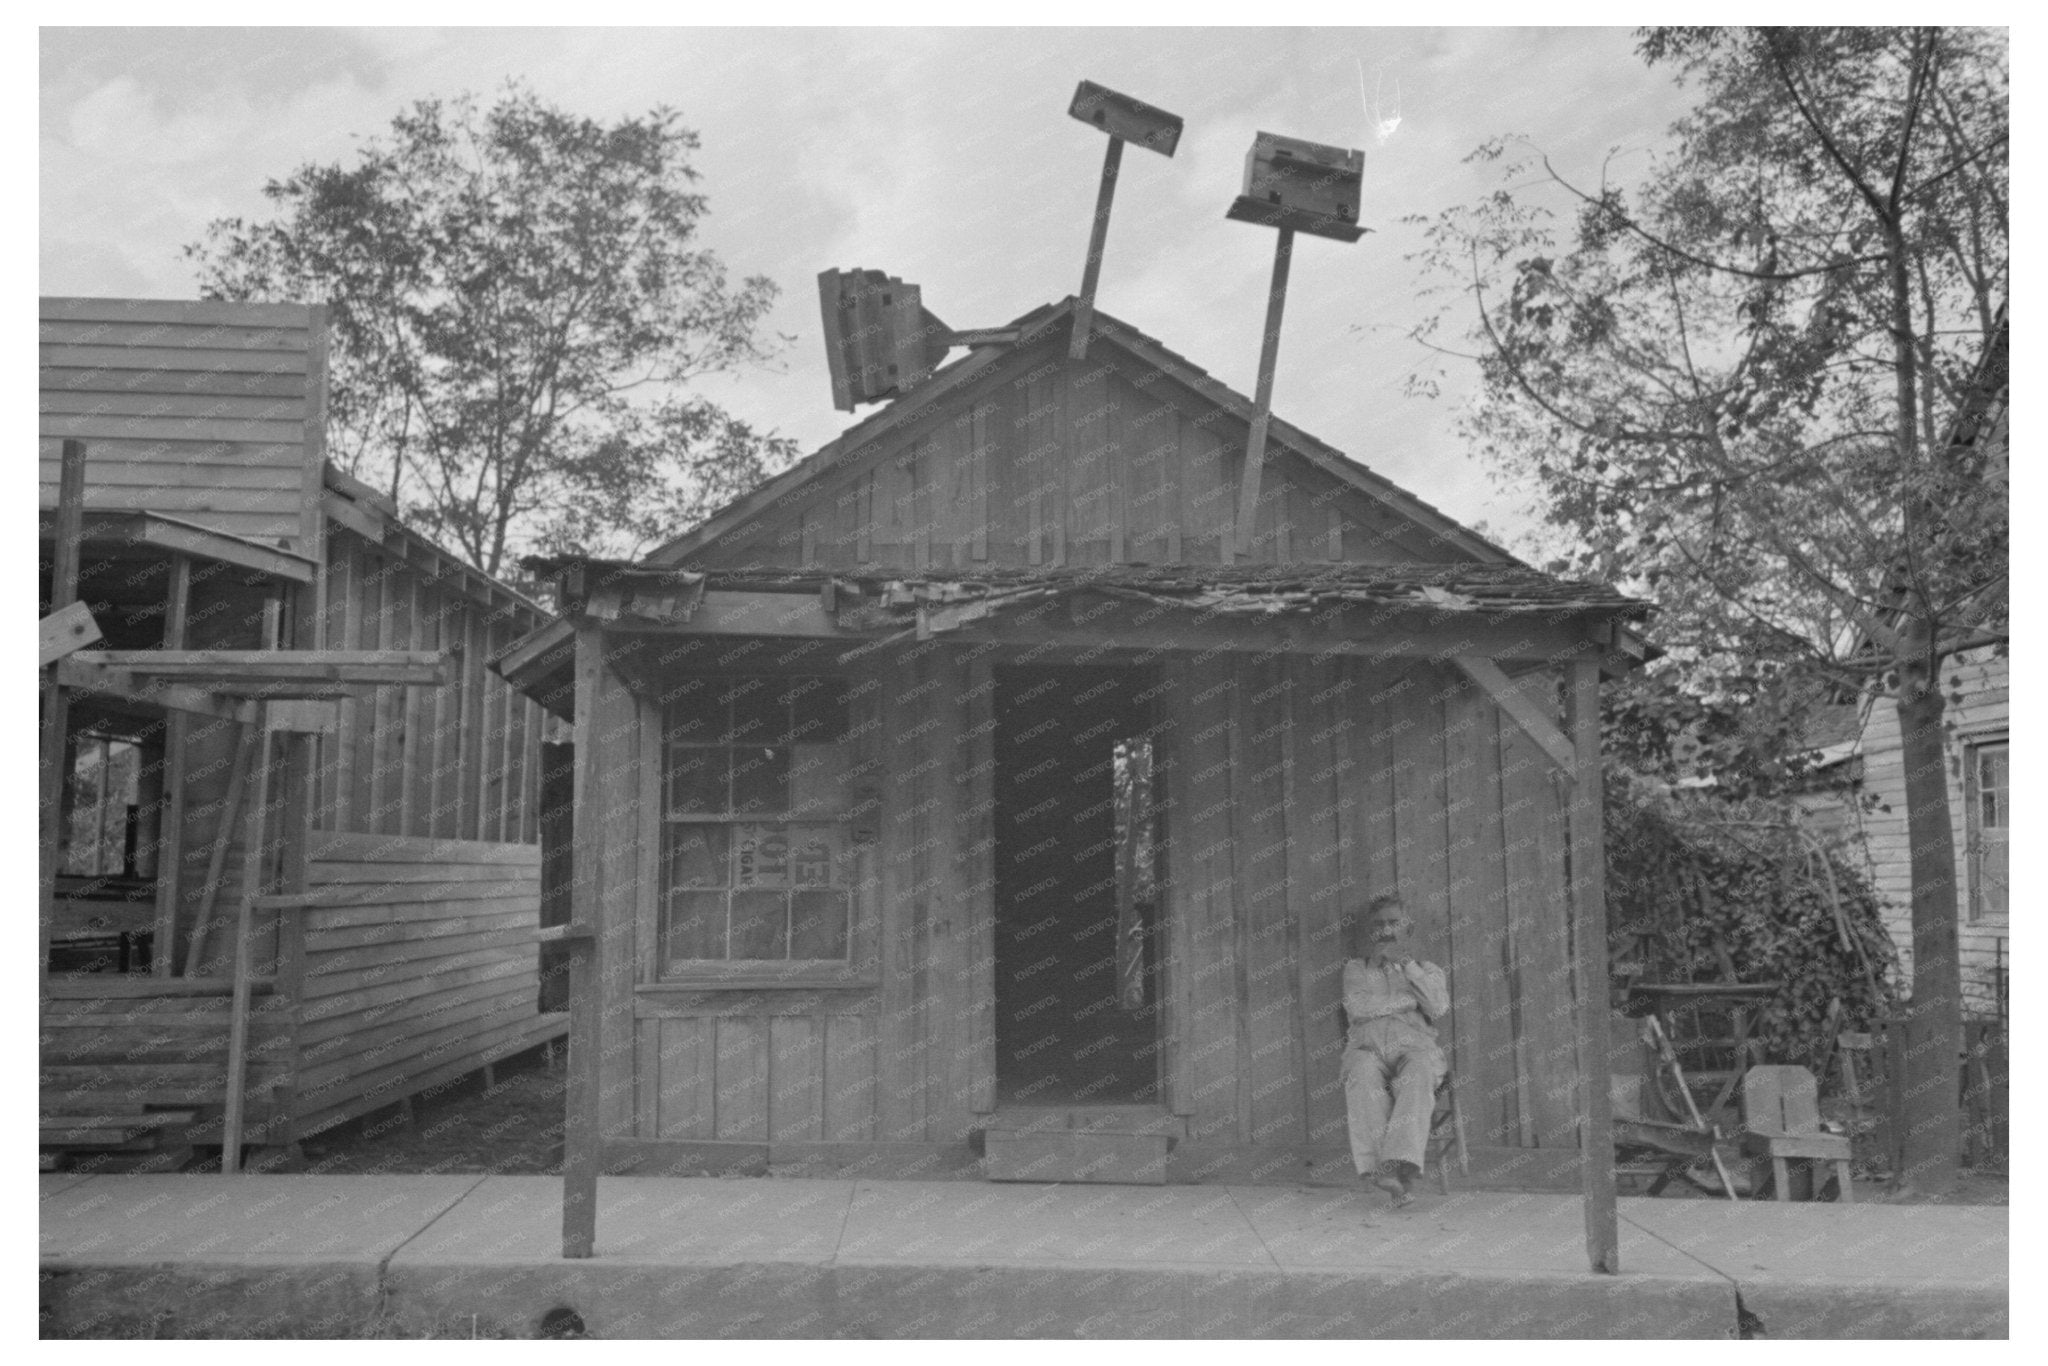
(1259, 588)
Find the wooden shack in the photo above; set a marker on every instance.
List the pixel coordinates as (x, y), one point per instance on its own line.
(960, 803)
(282, 665)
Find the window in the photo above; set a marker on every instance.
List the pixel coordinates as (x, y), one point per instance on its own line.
(757, 858)
(1988, 809)
(106, 807)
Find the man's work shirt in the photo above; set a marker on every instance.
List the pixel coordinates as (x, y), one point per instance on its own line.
(1387, 1007)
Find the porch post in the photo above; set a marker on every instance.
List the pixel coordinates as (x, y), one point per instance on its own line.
(1589, 968)
(580, 1155)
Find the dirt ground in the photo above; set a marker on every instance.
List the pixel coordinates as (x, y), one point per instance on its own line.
(512, 1127)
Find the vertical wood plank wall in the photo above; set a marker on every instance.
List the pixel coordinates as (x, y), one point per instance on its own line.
(1295, 789)
(1099, 463)
(433, 763)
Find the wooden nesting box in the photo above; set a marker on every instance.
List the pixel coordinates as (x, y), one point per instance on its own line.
(1308, 186)
(879, 340)
(1120, 116)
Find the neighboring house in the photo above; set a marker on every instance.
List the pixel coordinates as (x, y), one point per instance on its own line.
(1868, 769)
(1871, 815)
(393, 918)
(870, 766)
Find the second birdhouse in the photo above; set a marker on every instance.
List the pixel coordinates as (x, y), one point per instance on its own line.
(1309, 186)
(1120, 116)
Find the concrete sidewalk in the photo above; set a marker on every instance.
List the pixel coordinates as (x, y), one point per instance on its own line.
(308, 1256)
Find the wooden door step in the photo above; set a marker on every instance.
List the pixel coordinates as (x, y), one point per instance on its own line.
(1093, 1119)
(1073, 1155)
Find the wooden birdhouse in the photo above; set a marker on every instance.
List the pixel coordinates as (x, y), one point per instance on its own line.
(1308, 186)
(879, 339)
(1120, 116)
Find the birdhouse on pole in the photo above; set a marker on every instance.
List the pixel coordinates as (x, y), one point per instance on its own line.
(1125, 120)
(1295, 186)
(880, 340)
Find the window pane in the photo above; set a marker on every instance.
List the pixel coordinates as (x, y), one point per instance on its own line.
(760, 780)
(1991, 870)
(818, 924)
(759, 715)
(696, 711)
(760, 856)
(1992, 784)
(698, 856)
(817, 711)
(760, 925)
(698, 780)
(696, 926)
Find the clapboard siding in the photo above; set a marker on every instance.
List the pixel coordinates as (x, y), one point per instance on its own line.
(1295, 789)
(1983, 712)
(1056, 463)
(206, 411)
(411, 977)
(117, 1054)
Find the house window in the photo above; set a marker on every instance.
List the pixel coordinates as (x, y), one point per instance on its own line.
(106, 807)
(1988, 808)
(757, 864)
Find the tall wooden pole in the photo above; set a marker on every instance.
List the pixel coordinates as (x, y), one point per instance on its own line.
(581, 1154)
(1589, 971)
(66, 534)
(1098, 236)
(254, 820)
(1262, 400)
(170, 829)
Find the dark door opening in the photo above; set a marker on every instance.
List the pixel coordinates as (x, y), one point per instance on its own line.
(1077, 878)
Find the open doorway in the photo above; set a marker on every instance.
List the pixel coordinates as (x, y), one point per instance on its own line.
(1077, 887)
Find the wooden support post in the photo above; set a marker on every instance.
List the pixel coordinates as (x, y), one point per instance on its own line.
(66, 534)
(171, 825)
(246, 747)
(1091, 273)
(258, 785)
(580, 1145)
(1589, 972)
(1262, 400)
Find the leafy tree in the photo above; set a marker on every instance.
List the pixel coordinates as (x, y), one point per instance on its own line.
(520, 303)
(1741, 381)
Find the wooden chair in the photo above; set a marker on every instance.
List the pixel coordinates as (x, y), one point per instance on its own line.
(1781, 1121)
(1446, 1131)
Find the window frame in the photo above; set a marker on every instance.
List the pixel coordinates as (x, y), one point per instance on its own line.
(1975, 748)
(859, 968)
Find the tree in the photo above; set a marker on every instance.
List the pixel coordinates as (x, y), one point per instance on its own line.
(519, 304)
(1744, 381)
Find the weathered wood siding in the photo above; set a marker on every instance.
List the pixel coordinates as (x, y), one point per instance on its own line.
(1047, 462)
(205, 411)
(419, 964)
(123, 1050)
(1982, 714)
(1293, 789)
(460, 762)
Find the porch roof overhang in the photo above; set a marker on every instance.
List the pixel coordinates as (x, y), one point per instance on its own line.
(151, 535)
(1111, 612)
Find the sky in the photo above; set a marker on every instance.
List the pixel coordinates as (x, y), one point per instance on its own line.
(944, 157)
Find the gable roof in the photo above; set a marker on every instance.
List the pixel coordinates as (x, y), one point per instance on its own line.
(950, 381)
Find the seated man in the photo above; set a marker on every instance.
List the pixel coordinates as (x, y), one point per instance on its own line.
(1392, 1064)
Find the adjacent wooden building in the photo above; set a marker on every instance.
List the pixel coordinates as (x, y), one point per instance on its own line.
(285, 667)
(960, 802)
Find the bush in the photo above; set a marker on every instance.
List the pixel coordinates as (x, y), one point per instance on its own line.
(1701, 888)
